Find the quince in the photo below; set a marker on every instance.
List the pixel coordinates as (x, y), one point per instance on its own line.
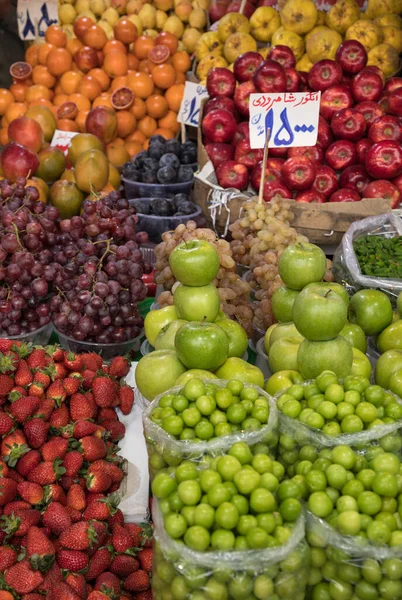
(367, 33)
(238, 43)
(264, 22)
(385, 57)
(299, 16)
(209, 43)
(290, 39)
(323, 45)
(342, 15)
(232, 23)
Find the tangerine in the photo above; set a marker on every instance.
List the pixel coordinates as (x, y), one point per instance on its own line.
(80, 120)
(141, 84)
(69, 81)
(168, 39)
(81, 101)
(56, 36)
(136, 136)
(4, 139)
(144, 66)
(114, 46)
(34, 92)
(95, 37)
(102, 100)
(67, 125)
(59, 61)
(122, 98)
(164, 76)
(126, 123)
(133, 148)
(139, 108)
(142, 46)
(118, 82)
(174, 96)
(60, 99)
(166, 133)
(32, 55)
(101, 76)
(125, 31)
(133, 62)
(18, 90)
(169, 122)
(6, 98)
(158, 54)
(181, 61)
(73, 45)
(41, 76)
(157, 106)
(89, 87)
(43, 52)
(115, 64)
(15, 110)
(147, 126)
(180, 77)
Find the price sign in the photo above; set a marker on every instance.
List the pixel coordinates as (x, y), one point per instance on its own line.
(35, 16)
(189, 112)
(62, 140)
(292, 119)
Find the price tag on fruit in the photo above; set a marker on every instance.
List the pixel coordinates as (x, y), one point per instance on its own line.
(62, 139)
(189, 112)
(292, 119)
(35, 16)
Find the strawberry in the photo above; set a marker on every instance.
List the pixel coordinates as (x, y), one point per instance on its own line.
(75, 515)
(60, 417)
(38, 359)
(43, 378)
(8, 557)
(36, 432)
(115, 428)
(110, 468)
(140, 533)
(78, 583)
(119, 367)
(40, 550)
(76, 497)
(93, 448)
(55, 352)
(87, 378)
(6, 384)
(22, 578)
(116, 519)
(51, 579)
(72, 463)
(126, 399)
(19, 522)
(80, 536)
(107, 582)
(56, 447)
(123, 565)
(72, 560)
(13, 474)
(98, 563)
(28, 462)
(30, 492)
(101, 508)
(55, 493)
(62, 591)
(97, 595)
(72, 383)
(57, 518)
(16, 505)
(84, 428)
(8, 490)
(9, 362)
(17, 392)
(98, 482)
(4, 470)
(145, 557)
(121, 539)
(82, 406)
(47, 472)
(91, 361)
(146, 595)
(106, 414)
(6, 345)
(73, 361)
(45, 409)
(23, 408)
(6, 423)
(33, 596)
(56, 392)
(58, 371)
(137, 582)
(37, 389)
(23, 375)
(104, 391)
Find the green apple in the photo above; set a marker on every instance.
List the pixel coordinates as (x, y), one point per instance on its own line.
(372, 310)
(397, 316)
(390, 338)
(332, 285)
(282, 303)
(157, 372)
(399, 304)
(281, 380)
(267, 337)
(283, 354)
(284, 330)
(333, 355)
(202, 345)
(166, 336)
(237, 368)
(156, 320)
(221, 315)
(238, 340)
(320, 314)
(355, 335)
(361, 365)
(387, 364)
(301, 264)
(192, 373)
(195, 262)
(197, 303)
(395, 383)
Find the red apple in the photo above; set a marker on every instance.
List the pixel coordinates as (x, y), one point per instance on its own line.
(234, 7)
(271, 174)
(377, 70)
(345, 195)
(351, 56)
(217, 10)
(370, 111)
(361, 150)
(383, 104)
(385, 128)
(293, 80)
(324, 74)
(367, 85)
(311, 195)
(218, 103)
(304, 81)
(384, 160)
(18, 161)
(298, 173)
(246, 64)
(232, 175)
(275, 163)
(273, 189)
(242, 97)
(393, 84)
(219, 152)
(326, 181)
(341, 154)
(347, 80)
(335, 99)
(395, 102)
(348, 124)
(283, 55)
(219, 125)
(242, 132)
(314, 153)
(270, 77)
(382, 188)
(355, 178)
(27, 132)
(245, 155)
(398, 183)
(278, 152)
(221, 82)
(324, 136)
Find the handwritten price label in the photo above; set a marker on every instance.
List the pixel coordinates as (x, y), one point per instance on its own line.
(62, 140)
(292, 119)
(35, 16)
(189, 112)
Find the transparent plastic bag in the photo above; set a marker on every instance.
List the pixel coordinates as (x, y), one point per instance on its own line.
(165, 451)
(350, 567)
(278, 573)
(345, 265)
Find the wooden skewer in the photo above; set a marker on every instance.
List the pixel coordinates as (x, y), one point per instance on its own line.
(183, 133)
(242, 6)
(264, 163)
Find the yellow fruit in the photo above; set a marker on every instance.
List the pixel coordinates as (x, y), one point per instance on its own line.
(207, 63)
(161, 17)
(389, 20)
(342, 15)
(290, 39)
(299, 16)
(393, 37)
(152, 33)
(133, 7)
(238, 43)
(111, 16)
(198, 18)
(304, 64)
(82, 5)
(107, 28)
(68, 30)
(67, 14)
(190, 39)
(114, 176)
(164, 5)
(174, 25)
(87, 13)
(147, 16)
(314, 30)
(366, 32)
(321, 18)
(91, 171)
(209, 43)
(97, 7)
(378, 8)
(183, 10)
(264, 51)
(137, 22)
(232, 23)
(386, 58)
(323, 45)
(204, 4)
(263, 23)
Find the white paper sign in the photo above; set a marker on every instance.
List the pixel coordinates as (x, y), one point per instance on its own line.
(62, 139)
(291, 117)
(35, 16)
(189, 112)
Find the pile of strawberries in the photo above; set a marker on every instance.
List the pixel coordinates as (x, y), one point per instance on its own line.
(62, 535)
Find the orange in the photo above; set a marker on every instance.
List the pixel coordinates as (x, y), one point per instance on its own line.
(67, 125)
(116, 142)
(34, 92)
(170, 122)
(147, 126)
(174, 96)
(69, 81)
(6, 98)
(43, 52)
(146, 144)
(101, 76)
(118, 82)
(80, 120)
(132, 148)
(60, 99)
(141, 84)
(167, 39)
(4, 595)
(139, 108)
(102, 100)
(180, 77)
(166, 133)
(58, 90)
(95, 37)
(4, 136)
(181, 61)
(157, 106)
(115, 64)
(56, 36)
(41, 76)
(42, 102)
(126, 123)
(114, 46)
(81, 25)
(136, 136)
(59, 61)
(117, 154)
(145, 66)
(142, 46)
(125, 31)
(4, 122)
(32, 55)
(81, 101)
(89, 87)
(133, 62)
(15, 110)
(164, 76)
(73, 45)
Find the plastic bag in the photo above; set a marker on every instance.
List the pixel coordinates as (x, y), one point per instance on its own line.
(346, 267)
(350, 567)
(278, 573)
(164, 450)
